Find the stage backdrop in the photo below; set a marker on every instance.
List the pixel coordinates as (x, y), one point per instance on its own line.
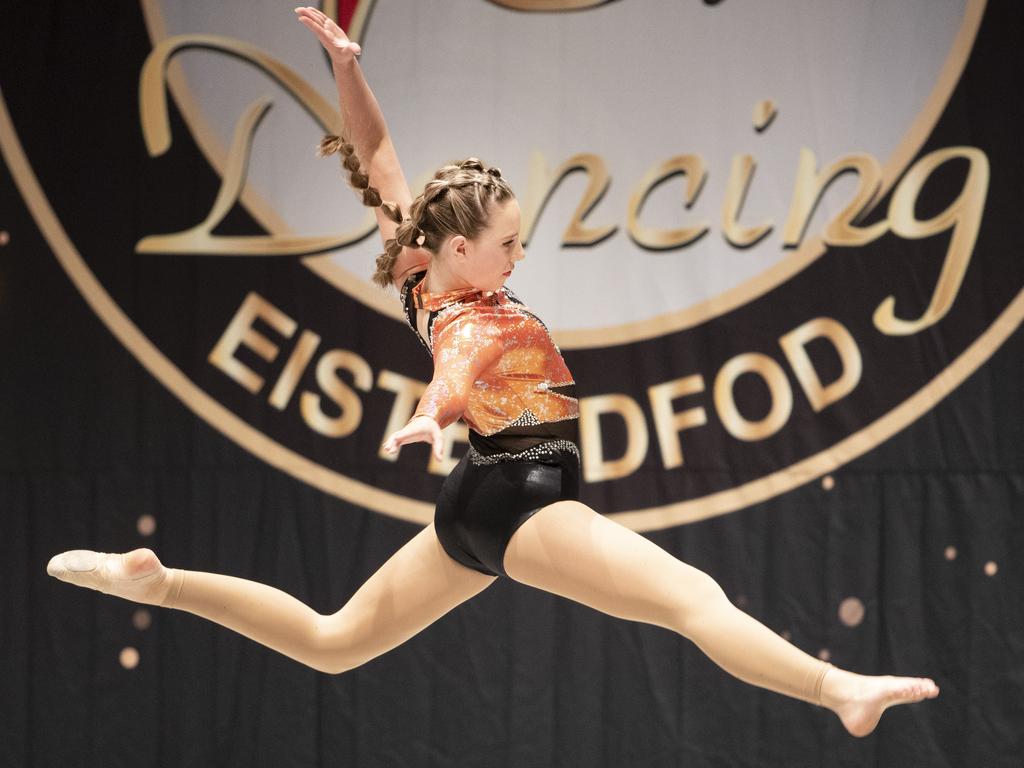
(779, 244)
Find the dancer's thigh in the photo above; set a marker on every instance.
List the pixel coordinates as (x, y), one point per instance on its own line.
(416, 586)
(570, 550)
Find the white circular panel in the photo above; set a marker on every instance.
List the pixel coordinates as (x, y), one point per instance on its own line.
(634, 83)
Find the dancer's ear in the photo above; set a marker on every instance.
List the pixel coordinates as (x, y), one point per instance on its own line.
(458, 248)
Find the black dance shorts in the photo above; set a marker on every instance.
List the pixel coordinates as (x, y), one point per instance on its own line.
(482, 505)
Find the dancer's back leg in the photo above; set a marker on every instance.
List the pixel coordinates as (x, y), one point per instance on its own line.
(416, 586)
(570, 550)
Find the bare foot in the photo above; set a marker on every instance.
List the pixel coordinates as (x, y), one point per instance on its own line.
(137, 575)
(860, 700)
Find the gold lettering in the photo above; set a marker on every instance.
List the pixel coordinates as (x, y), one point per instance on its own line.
(542, 185)
(763, 114)
(407, 394)
(240, 331)
(811, 185)
(963, 215)
(339, 392)
(293, 370)
(156, 131)
(668, 423)
(781, 396)
(595, 466)
(740, 176)
(794, 346)
(692, 166)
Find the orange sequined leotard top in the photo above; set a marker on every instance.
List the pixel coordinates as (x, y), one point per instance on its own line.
(496, 366)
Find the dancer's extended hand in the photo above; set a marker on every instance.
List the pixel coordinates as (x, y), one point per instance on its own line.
(421, 429)
(331, 36)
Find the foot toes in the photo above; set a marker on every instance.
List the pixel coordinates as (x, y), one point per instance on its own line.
(56, 566)
(923, 688)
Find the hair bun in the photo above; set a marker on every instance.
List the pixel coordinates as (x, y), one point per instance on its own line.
(495, 172)
(472, 164)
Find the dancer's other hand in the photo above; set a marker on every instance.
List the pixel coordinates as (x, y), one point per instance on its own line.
(421, 429)
(331, 36)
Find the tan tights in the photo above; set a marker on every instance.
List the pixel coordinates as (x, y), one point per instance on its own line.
(415, 587)
(566, 549)
(572, 551)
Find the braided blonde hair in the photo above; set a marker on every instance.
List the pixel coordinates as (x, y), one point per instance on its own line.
(457, 201)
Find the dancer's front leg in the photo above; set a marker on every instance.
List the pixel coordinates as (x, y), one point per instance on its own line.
(570, 550)
(417, 585)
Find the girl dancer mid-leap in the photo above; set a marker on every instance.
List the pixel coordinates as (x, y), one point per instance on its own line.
(509, 507)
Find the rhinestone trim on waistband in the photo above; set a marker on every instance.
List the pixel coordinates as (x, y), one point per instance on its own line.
(543, 450)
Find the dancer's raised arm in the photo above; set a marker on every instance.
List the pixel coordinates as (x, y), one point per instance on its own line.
(368, 134)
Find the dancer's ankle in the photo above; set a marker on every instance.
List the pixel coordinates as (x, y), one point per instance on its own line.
(819, 684)
(174, 580)
(837, 687)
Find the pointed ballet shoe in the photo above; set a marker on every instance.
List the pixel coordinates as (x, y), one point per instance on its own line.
(872, 696)
(102, 572)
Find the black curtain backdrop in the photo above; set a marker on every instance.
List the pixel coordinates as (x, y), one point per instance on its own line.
(90, 441)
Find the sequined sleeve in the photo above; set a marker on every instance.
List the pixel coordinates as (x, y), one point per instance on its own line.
(463, 350)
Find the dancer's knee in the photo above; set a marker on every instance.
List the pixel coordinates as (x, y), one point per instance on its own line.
(698, 598)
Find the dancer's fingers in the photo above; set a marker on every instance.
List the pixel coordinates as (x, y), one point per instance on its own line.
(422, 430)
(396, 441)
(392, 446)
(306, 13)
(330, 35)
(333, 28)
(317, 19)
(319, 15)
(437, 443)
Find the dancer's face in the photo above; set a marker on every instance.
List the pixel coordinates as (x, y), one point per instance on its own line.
(487, 261)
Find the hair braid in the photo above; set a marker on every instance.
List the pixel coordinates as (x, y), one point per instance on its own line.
(385, 262)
